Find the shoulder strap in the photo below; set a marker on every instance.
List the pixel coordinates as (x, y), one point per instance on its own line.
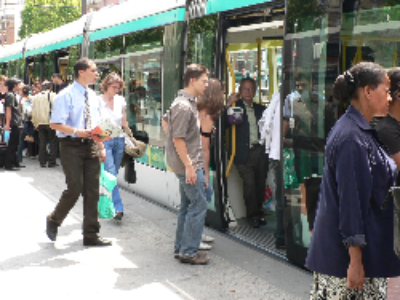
(48, 99)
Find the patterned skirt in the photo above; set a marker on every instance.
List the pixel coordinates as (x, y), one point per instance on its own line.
(333, 288)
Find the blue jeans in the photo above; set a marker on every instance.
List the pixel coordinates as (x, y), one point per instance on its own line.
(114, 154)
(191, 215)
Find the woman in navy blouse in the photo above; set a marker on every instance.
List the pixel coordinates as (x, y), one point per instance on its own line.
(351, 251)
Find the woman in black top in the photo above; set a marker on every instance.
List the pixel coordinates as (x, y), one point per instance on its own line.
(388, 128)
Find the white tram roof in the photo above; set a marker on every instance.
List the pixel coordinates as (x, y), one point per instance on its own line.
(128, 11)
(12, 52)
(60, 37)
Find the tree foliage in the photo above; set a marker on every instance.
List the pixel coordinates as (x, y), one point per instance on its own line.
(44, 15)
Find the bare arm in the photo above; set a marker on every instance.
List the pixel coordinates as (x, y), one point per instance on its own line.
(355, 273)
(8, 116)
(206, 126)
(82, 133)
(164, 125)
(181, 148)
(396, 158)
(124, 121)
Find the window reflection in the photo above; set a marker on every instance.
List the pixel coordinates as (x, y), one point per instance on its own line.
(144, 95)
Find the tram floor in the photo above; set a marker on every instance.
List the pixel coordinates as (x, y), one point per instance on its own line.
(262, 237)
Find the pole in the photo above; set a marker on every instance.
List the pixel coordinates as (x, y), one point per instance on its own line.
(84, 7)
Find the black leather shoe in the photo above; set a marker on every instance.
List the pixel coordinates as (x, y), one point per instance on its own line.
(52, 165)
(20, 166)
(255, 222)
(51, 230)
(43, 166)
(96, 242)
(11, 169)
(263, 221)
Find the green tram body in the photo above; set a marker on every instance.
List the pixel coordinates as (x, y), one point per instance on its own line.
(270, 41)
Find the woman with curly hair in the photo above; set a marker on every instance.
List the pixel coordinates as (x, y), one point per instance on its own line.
(209, 105)
(114, 108)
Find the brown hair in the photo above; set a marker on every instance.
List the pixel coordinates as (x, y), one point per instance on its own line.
(3, 78)
(212, 100)
(193, 71)
(111, 79)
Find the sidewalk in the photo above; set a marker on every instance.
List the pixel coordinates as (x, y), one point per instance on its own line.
(139, 265)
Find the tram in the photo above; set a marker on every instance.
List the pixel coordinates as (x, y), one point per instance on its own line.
(273, 41)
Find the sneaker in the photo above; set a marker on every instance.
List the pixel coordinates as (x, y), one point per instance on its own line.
(198, 259)
(204, 246)
(207, 239)
(118, 216)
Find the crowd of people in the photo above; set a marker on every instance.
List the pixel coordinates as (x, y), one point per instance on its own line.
(351, 251)
(25, 115)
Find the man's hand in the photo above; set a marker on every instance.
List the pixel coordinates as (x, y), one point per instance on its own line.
(83, 133)
(102, 155)
(191, 176)
(7, 127)
(232, 98)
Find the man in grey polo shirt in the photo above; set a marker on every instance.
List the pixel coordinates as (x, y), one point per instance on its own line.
(185, 158)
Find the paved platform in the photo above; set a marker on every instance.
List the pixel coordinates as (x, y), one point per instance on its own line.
(139, 265)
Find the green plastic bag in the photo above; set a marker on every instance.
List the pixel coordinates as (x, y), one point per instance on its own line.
(107, 183)
(289, 173)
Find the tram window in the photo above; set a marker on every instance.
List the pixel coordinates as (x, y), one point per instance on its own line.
(109, 47)
(143, 95)
(201, 42)
(48, 66)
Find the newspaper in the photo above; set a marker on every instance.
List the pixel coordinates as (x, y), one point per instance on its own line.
(107, 130)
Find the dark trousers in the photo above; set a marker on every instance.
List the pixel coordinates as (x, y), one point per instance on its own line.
(47, 136)
(12, 147)
(81, 165)
(253, 174)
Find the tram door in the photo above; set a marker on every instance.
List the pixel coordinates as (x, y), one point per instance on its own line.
(255, 52)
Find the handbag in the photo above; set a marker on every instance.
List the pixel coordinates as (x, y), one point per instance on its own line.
(133, 147)
(130, 173)
(235, 115)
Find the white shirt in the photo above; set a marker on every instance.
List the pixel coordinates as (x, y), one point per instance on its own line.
(116, 114)
(275, 146)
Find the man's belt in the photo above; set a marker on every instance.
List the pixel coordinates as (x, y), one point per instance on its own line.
(75, 140)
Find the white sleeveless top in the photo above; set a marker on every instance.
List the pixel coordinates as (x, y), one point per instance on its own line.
(116, 114)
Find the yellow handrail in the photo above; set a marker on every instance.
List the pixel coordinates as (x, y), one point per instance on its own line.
(228, 63)
(259, 69)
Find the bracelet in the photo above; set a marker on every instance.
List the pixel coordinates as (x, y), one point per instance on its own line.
(75, 131)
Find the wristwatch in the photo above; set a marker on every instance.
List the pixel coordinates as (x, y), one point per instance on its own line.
(75, 131)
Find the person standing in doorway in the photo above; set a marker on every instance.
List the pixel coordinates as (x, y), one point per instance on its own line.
(41, 114)
(114, 108)
(185, 157)
(75, 113)
(250, 158)
(13, 123)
